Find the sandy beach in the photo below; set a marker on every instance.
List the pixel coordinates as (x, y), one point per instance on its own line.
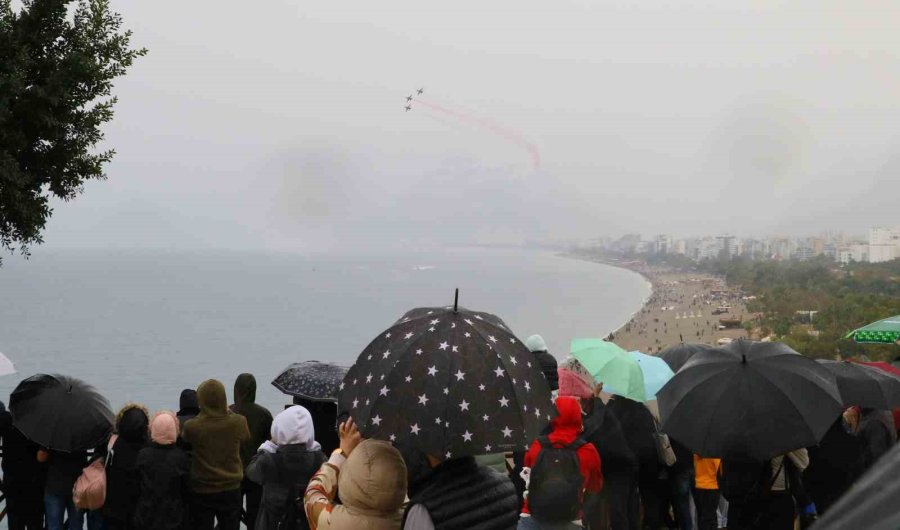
(684, 307)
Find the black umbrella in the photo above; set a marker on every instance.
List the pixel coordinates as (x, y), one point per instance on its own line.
(450, 383)
(311, 380)
(864, 386)
(60, 412)
(676, 356)
(749, 400)
(872, 501)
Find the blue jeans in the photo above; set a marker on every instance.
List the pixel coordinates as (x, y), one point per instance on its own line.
(681, 499)
(57, 507)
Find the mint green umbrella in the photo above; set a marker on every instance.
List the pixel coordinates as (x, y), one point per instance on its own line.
(611, 365)
(885, 331)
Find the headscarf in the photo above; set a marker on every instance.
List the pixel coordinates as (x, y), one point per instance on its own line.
(164, 428)
(574, 379)
(293, 425)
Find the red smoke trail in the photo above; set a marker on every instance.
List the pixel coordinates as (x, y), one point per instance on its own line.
(495, 128)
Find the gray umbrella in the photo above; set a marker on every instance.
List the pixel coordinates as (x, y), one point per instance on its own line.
(311, 380)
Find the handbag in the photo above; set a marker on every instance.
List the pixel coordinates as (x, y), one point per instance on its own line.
(89, 491)
(663, 446)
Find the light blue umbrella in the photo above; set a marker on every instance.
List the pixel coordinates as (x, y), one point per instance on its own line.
(656, 374)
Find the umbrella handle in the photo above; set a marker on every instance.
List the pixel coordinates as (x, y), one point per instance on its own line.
(456, 301)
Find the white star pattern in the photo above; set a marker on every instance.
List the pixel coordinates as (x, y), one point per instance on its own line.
(367, 402)
(384, 391)
(492, 339)
(376, 420)
(460, 375)
(437, 421)
(446, 391)
(387, 335)
(393, 438)
(455, 349)
(481, 387)
(512, 340)
(423, 399)
(467, 436)
(447, 424)
(408, 379)
(528, 364)
(464, 405)
(355, 403)
(432, 371)
(419, 351)
(507, 432)
(468, 334)
(485, 418)
(369, 357)
(503, 401)
(387, 354)
(443, 346)
(408, 336)
(527, 385)
(354, 381)
(469, 322)
(478, 317)
(499, 371)
(513, 360)
(448, 455)
(414, 429)
(381, 377)
(431, 328)
(435, 321)
(537, 413)
(488, 448)
(341, 387)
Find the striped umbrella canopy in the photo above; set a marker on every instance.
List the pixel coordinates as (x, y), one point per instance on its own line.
(886, 331)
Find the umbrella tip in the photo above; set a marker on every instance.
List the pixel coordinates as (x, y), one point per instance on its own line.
(744, 358)
(456, 301)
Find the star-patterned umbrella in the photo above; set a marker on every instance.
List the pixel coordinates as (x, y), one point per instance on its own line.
(312, 380)
(449, 382)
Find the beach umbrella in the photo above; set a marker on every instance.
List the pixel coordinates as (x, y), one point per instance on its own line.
(6, 366)
(311, 380)
(450, 382)
(886, 331)
(61, 413)
(612, 366)
(749, 400)
(676, 356)
(864, 386)
(872, 501)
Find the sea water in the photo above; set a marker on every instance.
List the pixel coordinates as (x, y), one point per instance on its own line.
(143, 325)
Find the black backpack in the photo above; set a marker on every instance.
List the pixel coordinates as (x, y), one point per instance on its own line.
(555, 486)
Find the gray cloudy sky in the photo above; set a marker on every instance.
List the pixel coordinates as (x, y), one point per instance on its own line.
(279, 124)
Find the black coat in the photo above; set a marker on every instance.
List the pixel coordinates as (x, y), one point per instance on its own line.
(122, 481)
(638, 427)
(548, 366)
(23, 476)
(283, 476)
(164, 482)
(602, 428)
(834, 465)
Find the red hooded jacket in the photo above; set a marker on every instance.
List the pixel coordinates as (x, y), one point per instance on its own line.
(565, 428)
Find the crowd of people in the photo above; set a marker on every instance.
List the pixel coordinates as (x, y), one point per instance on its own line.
(596, 465)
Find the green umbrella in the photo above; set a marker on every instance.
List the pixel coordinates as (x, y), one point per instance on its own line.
(885, 331)
(611, 365)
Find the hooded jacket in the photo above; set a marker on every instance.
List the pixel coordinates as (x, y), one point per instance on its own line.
(163, 471)
(216, 436)
(259, 420)
(565, 428)
(602, 429)
(547, 362)
(188, 407)
(283, 467)
(122, 482)
(877, 433)
(372, 486)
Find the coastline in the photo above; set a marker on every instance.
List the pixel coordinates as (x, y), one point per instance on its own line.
(682, 306)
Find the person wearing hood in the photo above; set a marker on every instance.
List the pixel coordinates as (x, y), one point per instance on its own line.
(122, 482)
(259, 421)
(187, 409)
(602, 429)
(565, 431)
(23, 478)
(369, 476)
(283, 467)
(163, 471)
(216, 436)
(834, 465)
(877, 433)
(547, 362)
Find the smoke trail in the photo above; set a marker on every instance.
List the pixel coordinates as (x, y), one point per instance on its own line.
(504, 132)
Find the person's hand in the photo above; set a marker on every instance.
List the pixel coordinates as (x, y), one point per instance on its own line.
(597, 389)
(349, 435)
(42, 456)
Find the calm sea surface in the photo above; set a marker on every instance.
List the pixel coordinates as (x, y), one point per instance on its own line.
(144, 325)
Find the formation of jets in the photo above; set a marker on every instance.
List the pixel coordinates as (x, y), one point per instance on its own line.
(409, 98)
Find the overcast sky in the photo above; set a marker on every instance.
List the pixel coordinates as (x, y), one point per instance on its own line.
(280, 124)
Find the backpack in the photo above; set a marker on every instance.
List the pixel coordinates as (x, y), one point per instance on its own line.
(89, 491)
(556, 484)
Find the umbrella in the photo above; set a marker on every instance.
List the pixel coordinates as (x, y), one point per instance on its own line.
(450, 382)
(6, 366)
(883, 331)
(656, 372)
(881, 365)
(611, 365)
(749, 400)
(872, 501)
(60, 412)
(311, 380)
(864, 386)
(676, 356)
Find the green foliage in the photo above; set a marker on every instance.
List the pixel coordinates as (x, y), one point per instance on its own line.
(56, 75)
